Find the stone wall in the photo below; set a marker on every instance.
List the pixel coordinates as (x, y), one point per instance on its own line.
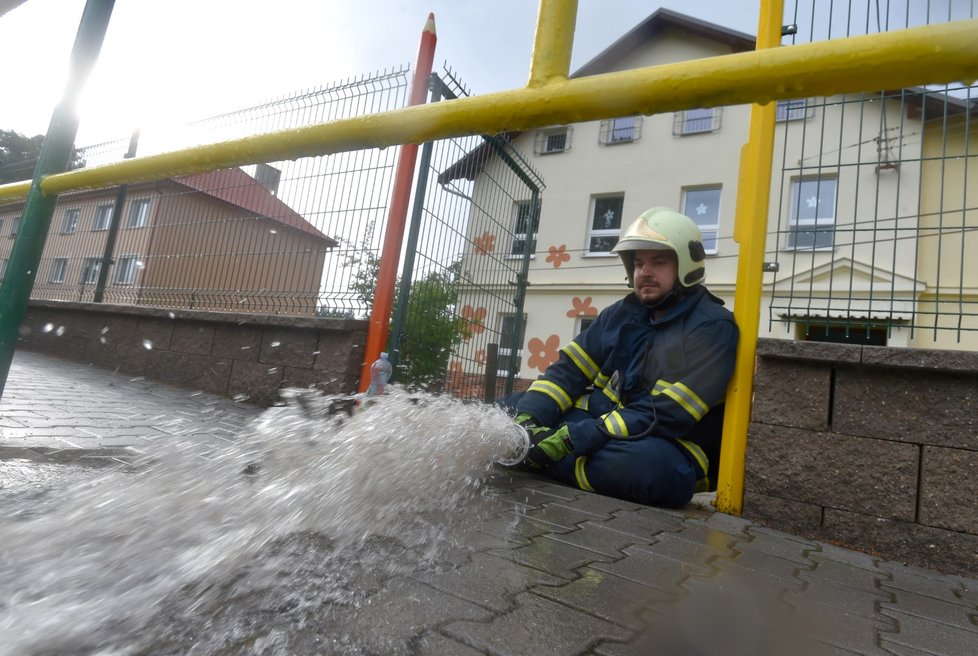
(243, 356)
(871, 447)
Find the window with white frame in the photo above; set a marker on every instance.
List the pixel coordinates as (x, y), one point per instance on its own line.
(14, 227)
(702, 204)
(620, 130)
(510, 359)
(604, 223)
(69, 221)
(138, 214)
(695, 121)
(103, 217)
(811, 213)
(3, 268)
(525, 221)
(90, 270)
(583, 323)
(552, 140)
(792, 110)
(126, 268)
(59, 267)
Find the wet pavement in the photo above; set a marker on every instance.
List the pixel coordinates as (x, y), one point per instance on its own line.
(546, 569)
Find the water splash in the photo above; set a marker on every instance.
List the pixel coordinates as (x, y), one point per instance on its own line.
(110, 553)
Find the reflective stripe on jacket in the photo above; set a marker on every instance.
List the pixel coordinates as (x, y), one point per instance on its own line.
(635, 376)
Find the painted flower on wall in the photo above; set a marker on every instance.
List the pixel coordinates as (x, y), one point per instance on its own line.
(543, 353)
(474, 318)
(485, 243)
(480, 356)
(558, 255)
(582, 308)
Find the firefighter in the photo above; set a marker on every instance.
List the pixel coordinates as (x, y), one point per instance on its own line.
(633, 408)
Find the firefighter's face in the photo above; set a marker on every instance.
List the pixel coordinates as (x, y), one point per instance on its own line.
(655, 274)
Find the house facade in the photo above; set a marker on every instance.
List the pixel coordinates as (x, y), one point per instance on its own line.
(847, 257)
(219, 240)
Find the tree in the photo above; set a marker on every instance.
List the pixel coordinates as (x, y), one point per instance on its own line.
(431, 327)
(19, 155)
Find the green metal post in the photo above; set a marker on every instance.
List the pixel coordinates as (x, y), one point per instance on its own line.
(120, 200)
(55, 155)
(411, 247)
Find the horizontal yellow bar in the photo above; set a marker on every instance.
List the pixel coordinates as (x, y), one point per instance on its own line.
(933, 54)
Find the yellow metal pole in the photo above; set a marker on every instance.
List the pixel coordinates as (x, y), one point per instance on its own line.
(750, 232)
(553, 42)
(933, 54)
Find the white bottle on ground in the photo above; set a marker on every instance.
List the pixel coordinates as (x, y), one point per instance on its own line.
(380, 373)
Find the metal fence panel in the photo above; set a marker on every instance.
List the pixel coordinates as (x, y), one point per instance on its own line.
(875, 222)
(276, 238)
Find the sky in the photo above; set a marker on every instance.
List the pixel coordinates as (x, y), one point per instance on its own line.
(168, 61)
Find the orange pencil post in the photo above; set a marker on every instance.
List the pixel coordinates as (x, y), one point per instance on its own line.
(397, 217)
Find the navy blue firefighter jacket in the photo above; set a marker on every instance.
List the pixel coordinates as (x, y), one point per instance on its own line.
(635, 376)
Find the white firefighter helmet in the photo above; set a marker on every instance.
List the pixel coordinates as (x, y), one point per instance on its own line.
(659, 228)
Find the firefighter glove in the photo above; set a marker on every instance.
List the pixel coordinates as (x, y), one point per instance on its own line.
(548, 445)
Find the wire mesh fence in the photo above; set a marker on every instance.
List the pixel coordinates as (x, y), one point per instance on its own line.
(276, 238)
(461, 325)
(875, 200)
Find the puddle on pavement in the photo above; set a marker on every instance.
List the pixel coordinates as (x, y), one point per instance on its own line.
(236, 550)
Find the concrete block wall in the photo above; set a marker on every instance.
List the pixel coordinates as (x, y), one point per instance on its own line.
(870, 447)
(243, 356)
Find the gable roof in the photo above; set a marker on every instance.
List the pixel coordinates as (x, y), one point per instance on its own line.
(235, 187)
(657, 22)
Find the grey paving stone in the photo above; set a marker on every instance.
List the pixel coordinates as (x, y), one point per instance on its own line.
(833, 571)
(642, 525)
(928, 583)
(557, 558)
(697, 555)
(844, 630)
(648, 568)
(597, 537)
(389, 621)
(760, 563)
(536, 626)
(489, 581)
(778, 544)
(597, 504)
(952, 614)
(606, 596)
(563, 516)
(930, 637)
(831, 552)
(841, 597)
(531, 497)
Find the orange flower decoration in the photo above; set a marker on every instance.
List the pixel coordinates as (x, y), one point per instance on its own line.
(582, 308)
(480, 356)
(474, 317)
(543, 354)
(485, 244)
(558, 255)
(455, 367)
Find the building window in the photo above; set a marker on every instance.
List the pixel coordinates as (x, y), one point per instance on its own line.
(69, 222)
(125, 269)
(103, 217)
(620, 130)
(702, 204)
(524, 220)
(59, 267)
(138, 214)
(3, 268)
(605, 223)
(694, 121)
(14, 226)
(509, 359)
(583, 323)
(552, 140)
(811, 214)
(818, 330)
(90, 270)
(792, 110)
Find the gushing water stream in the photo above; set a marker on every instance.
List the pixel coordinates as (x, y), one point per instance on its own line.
(85, 568)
